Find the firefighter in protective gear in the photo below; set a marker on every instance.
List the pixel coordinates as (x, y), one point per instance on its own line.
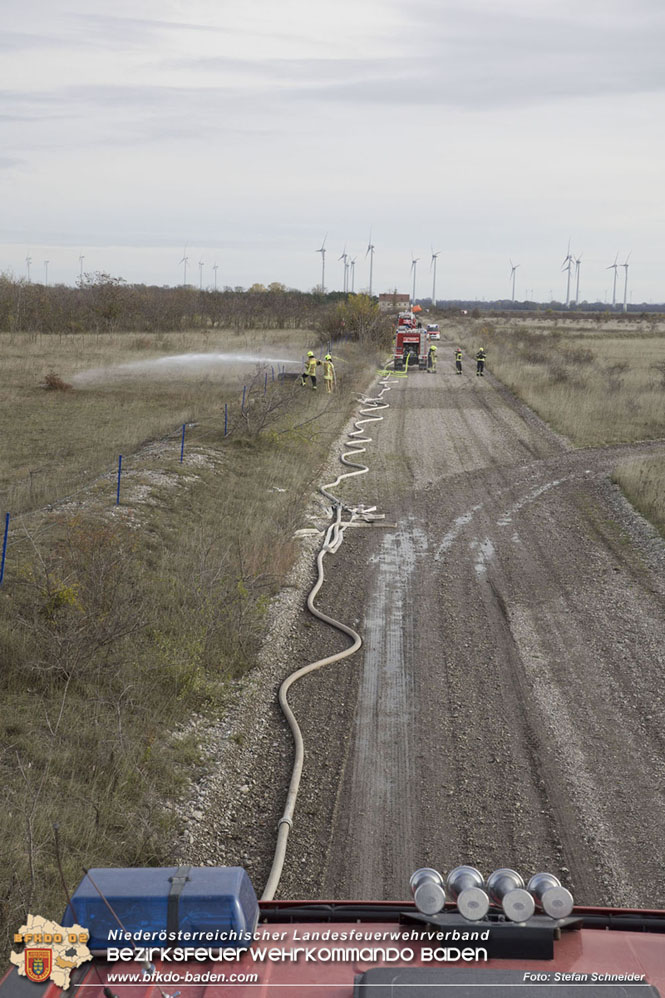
(310, 369)
(431, 360)
(480, 363)
(328, 372)
(458, 360)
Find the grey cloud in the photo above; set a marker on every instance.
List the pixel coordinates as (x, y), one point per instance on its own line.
(16, 41)
(490, 32)
(291, 71)
(469, 57)
(32, 107)
(476, 59)
(108, 97)
(121, 29)
(128, 115)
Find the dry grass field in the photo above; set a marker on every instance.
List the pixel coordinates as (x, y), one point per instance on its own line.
(118, 622)
(55, 441)
(595, 385)
(643, 483)
(597, 381)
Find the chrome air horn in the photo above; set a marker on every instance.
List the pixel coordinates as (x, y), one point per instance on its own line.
(554, 899)
(465, 885)
(506, 888)
(428, 891)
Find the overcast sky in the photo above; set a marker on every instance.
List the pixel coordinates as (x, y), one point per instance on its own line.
(488, 130)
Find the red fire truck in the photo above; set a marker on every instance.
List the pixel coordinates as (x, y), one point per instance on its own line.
(199, 932)
(411, 348)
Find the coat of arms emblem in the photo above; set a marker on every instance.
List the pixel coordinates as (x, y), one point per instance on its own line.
(38, 963)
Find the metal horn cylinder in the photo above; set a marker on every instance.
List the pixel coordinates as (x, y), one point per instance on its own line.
(554, 899)
(465, 885)
(428, 890)
(506, 888)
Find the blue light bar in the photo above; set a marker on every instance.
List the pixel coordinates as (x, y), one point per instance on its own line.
(187, 903)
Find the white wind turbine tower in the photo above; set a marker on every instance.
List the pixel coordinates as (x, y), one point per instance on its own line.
(432, 267)
(184, 262)
(81, 259)
(414, 261)
(201, 265)
(513, 268)
(370, 251)
(322, 251)
(345, 257)
(578, 263)
(625, 283)
(28, 261)
(215, 269)
(613, 266)
(567, 265)
(46, 263)
(353, 275)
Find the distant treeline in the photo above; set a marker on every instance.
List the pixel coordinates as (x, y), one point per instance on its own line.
(547, 308)
(103, 303)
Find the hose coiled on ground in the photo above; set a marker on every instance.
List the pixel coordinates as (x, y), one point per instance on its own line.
(333, 538)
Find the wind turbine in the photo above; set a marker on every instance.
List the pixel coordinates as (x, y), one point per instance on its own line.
(414, 261)
(46, 263)
(353, 274)
(370, 250)
(28, 261)
(432, 267)
(215, 269)
(322, 251)
(614, 267)
(625, 283)
(345, 257)
(513, 268)
(578, 261)
(567, 265)
(200, 275)
(184, 262)
(81, 259)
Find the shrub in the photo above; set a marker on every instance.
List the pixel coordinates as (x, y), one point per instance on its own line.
(54, 383)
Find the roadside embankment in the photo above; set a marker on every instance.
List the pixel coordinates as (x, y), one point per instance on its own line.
(119, 623)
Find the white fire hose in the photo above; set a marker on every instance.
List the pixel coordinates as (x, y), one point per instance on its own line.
(333, 538)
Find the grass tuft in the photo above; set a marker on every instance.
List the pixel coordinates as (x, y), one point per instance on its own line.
(54, 383)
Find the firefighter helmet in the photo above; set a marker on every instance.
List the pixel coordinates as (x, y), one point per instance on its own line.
(327, 357)
(310, 353)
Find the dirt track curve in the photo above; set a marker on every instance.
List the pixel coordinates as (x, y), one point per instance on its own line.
(507, 708)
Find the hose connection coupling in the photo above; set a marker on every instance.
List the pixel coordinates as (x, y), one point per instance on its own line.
(427, 888)
(465, 885)
(549, 895)
(506, 888)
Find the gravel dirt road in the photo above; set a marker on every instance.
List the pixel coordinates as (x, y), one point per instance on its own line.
(507, 706)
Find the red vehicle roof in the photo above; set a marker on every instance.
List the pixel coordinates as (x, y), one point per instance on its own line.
(624, 944)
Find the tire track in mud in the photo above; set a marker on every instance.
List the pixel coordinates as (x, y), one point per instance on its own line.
(600, 861)
(382, 773)
(571, 664)
(460, 763)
